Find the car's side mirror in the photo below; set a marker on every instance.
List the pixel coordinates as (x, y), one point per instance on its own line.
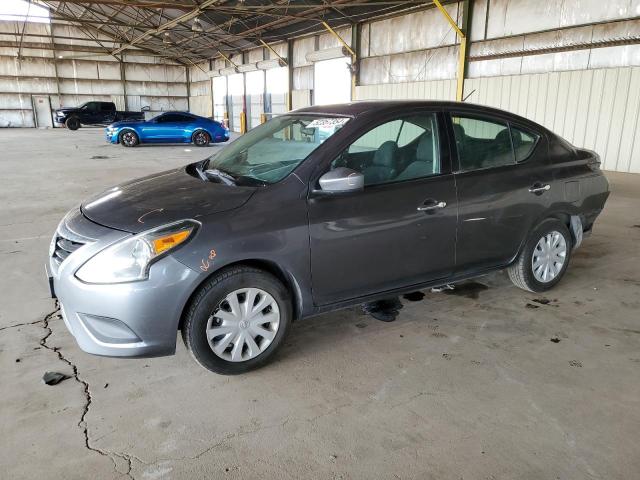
(341, 180)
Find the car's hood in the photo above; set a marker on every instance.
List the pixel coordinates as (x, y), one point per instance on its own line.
(128, 123)
(162, 198)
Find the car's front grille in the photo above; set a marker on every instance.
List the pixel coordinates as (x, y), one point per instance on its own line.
(64, 247)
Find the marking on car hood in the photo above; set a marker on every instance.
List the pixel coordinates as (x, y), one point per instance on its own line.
(159, 210)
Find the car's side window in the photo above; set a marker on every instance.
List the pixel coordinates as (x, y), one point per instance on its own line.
(523, 142)
(182, 118)
(401, 149)
(169, 118)
(92, 107)
(482, 143)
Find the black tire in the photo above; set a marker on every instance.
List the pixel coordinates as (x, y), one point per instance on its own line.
(521, 271)
(72, 123)
(200, 138)
(128, 138)
(209, 298)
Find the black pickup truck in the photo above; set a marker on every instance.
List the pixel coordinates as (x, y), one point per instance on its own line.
(93, 113)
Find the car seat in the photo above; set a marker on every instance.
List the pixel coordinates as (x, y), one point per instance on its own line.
(383, 167)
(423, 164)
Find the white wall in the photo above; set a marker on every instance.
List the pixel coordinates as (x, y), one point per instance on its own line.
(80, 76)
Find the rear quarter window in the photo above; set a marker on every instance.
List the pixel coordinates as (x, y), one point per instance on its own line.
(524, 142)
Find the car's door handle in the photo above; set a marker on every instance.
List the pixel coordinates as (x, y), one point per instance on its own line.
(539, 188)
(429, 207)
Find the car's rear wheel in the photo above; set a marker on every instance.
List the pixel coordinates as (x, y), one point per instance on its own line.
(128, 138)
(201, 138)
(544, 258)
(237, 320)
(72, 123)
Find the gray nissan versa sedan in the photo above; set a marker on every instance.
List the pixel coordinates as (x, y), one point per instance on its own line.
(319, 209)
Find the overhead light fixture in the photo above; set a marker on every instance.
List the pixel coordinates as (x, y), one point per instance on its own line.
(327, 54)
(166, 38)
(273, 63)
(247, 67)
(197, 25)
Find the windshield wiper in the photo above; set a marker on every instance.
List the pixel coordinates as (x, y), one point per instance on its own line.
(225, 177)
(206, 175)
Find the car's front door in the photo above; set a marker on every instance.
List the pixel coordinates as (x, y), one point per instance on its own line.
(167, 127)
(90, 113)
(400, 230)
(502, 179)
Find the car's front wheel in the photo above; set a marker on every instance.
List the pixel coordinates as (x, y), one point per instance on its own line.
(72, 123)
(201, 138)
(237, 320)
(544, 258)
(128, 138)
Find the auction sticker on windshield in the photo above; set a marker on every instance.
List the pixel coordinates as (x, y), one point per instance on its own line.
(327, 122)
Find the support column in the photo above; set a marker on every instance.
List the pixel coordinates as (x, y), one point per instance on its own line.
(462, 37)
(290, 73)
(123, 80)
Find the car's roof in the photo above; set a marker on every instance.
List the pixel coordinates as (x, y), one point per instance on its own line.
(354, 109)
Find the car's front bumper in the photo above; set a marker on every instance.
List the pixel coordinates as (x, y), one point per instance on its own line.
(136, 319)
(111, 136)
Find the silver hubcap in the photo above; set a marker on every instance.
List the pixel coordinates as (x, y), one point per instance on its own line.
(243, 325)
(549, 257)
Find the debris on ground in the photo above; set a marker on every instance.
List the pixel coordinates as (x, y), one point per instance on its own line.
(105, 385)
(442, 288)
(469, 289)
(555, 339)
(384, 310)
(446, 356)
(542, 301)
(54, 378)
(531, 305)
(361, 325)
(413, 296)
(575, 363)
(17, 360)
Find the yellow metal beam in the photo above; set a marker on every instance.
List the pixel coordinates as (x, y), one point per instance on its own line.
(335, 34)
(273, 51)
(462, 51)
(227, 58)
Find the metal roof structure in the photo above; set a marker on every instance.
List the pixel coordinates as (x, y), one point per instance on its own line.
(191, 31)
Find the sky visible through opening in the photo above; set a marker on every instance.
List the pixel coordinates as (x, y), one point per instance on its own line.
(17, 10)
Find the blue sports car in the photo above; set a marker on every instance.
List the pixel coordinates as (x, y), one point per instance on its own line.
(169, 127)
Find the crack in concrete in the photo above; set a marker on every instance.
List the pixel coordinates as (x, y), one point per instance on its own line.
(82, 423)
(21, 324)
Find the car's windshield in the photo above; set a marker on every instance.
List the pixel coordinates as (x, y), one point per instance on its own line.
(268, 153)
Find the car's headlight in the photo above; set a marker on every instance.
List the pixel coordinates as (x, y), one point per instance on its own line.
(129, 259)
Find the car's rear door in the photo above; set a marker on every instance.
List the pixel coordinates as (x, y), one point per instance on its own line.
(503, 177)
(398, 231)
(108, 112)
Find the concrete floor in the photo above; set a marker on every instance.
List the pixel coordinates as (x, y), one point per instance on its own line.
(457, 388)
